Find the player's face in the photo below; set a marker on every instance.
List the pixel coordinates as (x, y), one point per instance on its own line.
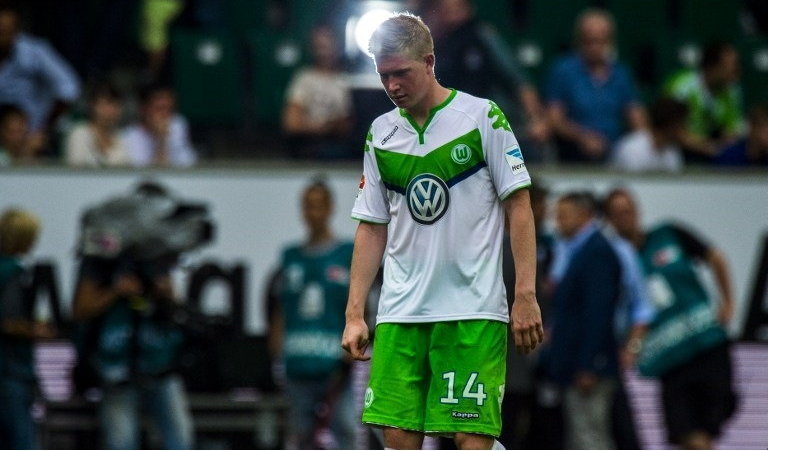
(316, 210)
(622, 214)
(570, 218)
(405, 80)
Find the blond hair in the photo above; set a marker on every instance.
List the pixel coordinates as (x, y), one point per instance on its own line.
(18, 231)
(402, 34)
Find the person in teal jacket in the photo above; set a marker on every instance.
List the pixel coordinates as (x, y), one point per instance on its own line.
(686, 346)
(306, 319)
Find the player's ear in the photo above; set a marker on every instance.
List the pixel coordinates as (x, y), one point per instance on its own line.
(429, 59)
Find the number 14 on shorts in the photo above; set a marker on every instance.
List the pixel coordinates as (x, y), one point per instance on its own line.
(468, 391)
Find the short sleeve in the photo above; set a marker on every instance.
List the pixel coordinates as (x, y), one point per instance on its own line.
(371, 203)
(502, 153)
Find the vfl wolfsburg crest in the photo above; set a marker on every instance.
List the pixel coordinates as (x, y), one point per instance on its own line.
(461, 153)
(427, 198)
(368, 397)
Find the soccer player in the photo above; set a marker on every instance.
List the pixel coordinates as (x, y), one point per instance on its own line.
(440, 171)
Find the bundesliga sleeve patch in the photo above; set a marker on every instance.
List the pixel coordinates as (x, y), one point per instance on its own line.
(514, 158)
(361, 187)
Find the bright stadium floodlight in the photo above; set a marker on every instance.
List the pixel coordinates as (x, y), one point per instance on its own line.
(367, 24)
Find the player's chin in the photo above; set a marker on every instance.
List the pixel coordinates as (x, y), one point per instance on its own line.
(400, 101)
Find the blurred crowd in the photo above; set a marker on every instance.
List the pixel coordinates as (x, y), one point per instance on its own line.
(121, 83)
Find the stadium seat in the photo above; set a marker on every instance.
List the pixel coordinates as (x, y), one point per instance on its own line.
(208, 76)
(241, 17)
(495, 12)
(274, 58)
(641, 26)
(551, 22)
(754, 62)
(303, 16)
(710, 20)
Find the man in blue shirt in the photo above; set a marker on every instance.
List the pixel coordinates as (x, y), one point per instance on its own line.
(590, 97)
(33, 76)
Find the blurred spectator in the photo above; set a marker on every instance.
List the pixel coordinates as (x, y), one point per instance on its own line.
(693, 363)
(161, 137)
(154, 33)
(583, 354)
(472, 57)
(124, 306)
(655, 148)
(632, 316)
(752, 150)
(98, 142)
(317, 116)
(34, 77)
(14, 131)
(305, 325)
(531, 416)
(591, 97)
(714, 99)
(18, 331)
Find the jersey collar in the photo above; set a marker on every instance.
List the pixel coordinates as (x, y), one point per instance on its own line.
(421, 130)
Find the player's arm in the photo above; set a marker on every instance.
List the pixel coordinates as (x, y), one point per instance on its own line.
(699, 249)
(368, 249)
(525, 317)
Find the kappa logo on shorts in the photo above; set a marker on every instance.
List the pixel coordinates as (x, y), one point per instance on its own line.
(465, 415)
(368, 397)
(427, 198)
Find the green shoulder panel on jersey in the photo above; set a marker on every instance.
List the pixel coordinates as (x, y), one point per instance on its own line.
(451, 162)
(500, 120)
(368, 140)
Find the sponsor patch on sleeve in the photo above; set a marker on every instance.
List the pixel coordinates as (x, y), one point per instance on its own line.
(361, 187)
(514, 158)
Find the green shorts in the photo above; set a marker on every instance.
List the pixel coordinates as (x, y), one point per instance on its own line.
(438, 378)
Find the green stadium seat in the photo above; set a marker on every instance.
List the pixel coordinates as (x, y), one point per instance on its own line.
(207, 76)
(754, 62)
(641, 25)
(241, 17)
(710, 20)
(274, 59)
(551, 22)
(533, 56)
(497, 13)
(304, 15)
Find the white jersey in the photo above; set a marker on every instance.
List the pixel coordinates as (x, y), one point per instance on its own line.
(439, 187)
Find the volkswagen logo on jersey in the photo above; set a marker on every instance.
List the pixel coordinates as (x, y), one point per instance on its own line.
(427, 198)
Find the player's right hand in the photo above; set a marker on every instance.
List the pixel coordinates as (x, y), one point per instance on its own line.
(355, 339)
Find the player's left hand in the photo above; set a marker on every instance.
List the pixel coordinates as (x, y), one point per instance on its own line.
(526, 323)
(355, 339)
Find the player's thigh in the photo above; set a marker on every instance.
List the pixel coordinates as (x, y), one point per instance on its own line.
(468, 366)
(399, 376)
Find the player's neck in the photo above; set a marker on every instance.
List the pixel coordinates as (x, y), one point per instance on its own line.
(320, 237)
(436, 95)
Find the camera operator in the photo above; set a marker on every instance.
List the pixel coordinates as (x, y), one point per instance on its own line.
(131, 327)
(133, 345)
